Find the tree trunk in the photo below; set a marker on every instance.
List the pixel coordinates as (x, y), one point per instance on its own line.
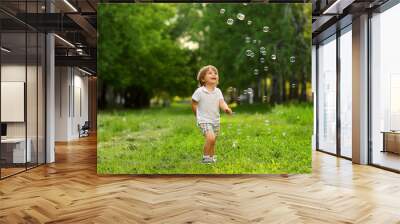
(275, 90)
(294, 89)
(303, 95)
(136, 97)
(265, 90)
(283, 89)
(102, 101)
(259, 90)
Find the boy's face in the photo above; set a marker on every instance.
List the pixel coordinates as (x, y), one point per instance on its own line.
(211, 77)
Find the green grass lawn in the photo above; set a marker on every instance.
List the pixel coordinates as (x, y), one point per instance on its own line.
(256, 140)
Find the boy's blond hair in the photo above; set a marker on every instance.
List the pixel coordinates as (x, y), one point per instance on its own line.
(203, 72)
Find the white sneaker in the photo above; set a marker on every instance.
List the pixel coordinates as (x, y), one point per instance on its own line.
(207, 159)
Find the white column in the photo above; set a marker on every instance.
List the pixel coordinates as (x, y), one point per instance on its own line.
(360, 90)
(314, 90)
(50, 93)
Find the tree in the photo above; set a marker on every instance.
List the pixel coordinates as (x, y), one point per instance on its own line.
(137, 56)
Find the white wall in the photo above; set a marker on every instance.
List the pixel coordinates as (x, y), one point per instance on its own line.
(71, 94)
(10, 73)
(62, 81)
(33, 126)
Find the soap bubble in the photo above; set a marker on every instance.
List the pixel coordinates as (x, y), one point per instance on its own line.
(262, 60)
(248, 53)
(273, 57)
(266, 29)
(255, 71)
(222, 11)
(240, 16)
(248, 40)
(265, 68)
(249, 22)
(292, 59)
(229, 21)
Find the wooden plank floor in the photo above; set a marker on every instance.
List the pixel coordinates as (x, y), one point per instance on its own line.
(69, 191)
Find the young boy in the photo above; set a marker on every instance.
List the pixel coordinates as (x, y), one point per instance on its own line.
(206, 102)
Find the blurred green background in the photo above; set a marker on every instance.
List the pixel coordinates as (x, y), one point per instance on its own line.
(155, 51)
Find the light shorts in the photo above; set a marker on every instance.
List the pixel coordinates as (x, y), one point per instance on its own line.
(209, 127)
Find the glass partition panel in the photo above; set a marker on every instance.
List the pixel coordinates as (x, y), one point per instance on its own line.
(31, 97)
(41, 98)
(385, 89)
(14, 149)
(327, 95)
(346, 92)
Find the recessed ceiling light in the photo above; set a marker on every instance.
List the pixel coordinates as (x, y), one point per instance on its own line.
(337, 7)
(86, 72)
(64, 40)
(5, 50)
(70, 5)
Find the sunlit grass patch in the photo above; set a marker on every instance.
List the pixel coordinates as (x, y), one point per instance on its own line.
(257, 139)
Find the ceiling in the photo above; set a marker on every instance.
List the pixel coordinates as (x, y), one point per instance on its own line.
(330, 15)
(74, 22)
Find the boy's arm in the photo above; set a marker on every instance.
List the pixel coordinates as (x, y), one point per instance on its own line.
(224, 106)
(194, 106)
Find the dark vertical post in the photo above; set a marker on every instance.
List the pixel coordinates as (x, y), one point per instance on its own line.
(1, 165)
(26, 85)
(338, 73)
(45, 89)
(316, 97)
(37, 88)
(369, 89)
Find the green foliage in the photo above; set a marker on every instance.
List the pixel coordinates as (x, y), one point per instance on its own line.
(225, 47)
(141, 44)
(257, 139)
(136, 50)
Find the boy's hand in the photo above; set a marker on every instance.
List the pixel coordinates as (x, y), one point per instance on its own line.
(228, 111)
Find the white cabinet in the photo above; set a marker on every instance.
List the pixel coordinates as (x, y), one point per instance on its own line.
(19, 155)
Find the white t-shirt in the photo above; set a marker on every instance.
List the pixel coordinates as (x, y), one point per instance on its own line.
(208, 104)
